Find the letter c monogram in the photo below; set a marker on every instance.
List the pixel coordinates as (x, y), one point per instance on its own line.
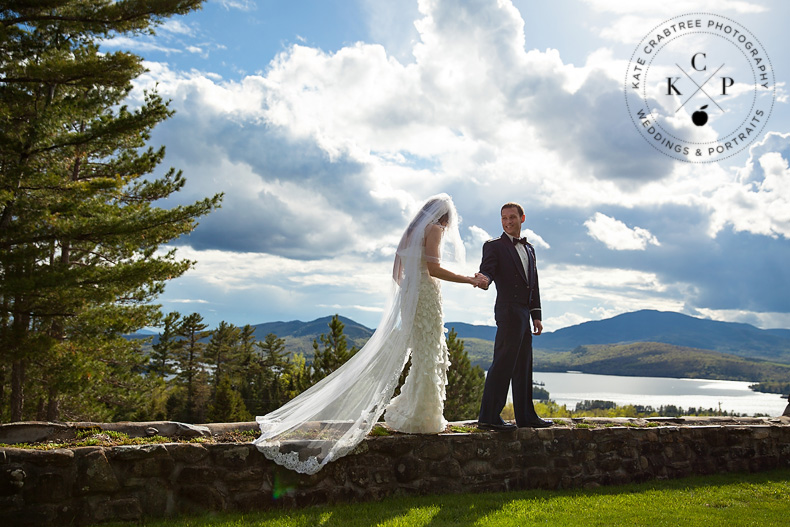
(693, 62)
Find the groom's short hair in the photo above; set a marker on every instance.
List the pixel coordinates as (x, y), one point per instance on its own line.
(512, 204)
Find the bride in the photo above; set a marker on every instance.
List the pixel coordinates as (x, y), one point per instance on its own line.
(329, 419)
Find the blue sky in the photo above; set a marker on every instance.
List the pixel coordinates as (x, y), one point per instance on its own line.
(327, 124)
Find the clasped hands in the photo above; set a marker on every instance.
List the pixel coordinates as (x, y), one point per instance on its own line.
(480, 280)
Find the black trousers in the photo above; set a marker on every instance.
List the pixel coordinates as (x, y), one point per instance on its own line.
(512, 364)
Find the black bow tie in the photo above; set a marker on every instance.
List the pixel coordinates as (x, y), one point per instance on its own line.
(516, 241)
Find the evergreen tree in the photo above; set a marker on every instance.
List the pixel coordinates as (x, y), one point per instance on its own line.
(197, 410)
(273, 378)
(246, 349)
(335, 352)
(228, 406)
(163, 352)
(464, 383)
(247, 370)
(297, 377)
(79, 232)
(222, 351)
(161, 367)
(192, 375)
(273, 352)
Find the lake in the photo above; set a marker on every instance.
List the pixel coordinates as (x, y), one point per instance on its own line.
(732, 396)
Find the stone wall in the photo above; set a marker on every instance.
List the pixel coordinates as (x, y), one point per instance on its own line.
(90, 485)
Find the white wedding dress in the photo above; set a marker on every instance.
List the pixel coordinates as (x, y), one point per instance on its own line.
(329, 419)
(419, 409)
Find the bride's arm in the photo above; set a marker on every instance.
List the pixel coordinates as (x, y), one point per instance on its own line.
(432, 240)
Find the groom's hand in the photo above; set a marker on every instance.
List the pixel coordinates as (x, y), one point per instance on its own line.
(483, 280)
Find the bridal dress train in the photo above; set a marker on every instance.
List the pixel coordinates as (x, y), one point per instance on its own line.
(328, 420)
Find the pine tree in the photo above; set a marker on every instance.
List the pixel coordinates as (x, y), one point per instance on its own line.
(79, 232)
(228, 406)
(246, 351)
(192, 374)
(197, 411)
(274, 368)
(222, 351)
(247, 371)
(297, 377)
(273, 352)
(163, 352)
(464, 383)
(335, 352)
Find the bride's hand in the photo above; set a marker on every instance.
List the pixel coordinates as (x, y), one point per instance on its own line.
(480, 280)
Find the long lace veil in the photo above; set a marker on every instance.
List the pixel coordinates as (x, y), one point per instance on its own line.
(329, 419)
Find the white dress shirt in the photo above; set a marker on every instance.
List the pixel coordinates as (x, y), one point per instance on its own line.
(521, 249)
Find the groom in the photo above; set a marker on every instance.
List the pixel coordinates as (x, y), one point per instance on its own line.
(509, 261)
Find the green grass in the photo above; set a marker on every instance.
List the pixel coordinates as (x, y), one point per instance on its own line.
(761, 499)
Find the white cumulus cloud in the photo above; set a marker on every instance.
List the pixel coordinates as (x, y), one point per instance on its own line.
(324, 155)
(759, 202)
(617, 236)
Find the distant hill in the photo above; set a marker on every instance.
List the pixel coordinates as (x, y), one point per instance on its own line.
(743, 340)
(299, 335)
(312, 329)
(470, 331)
(656, 359)
(480, 351)
(783, 333)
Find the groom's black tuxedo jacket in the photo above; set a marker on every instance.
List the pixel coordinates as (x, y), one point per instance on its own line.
(502, 265)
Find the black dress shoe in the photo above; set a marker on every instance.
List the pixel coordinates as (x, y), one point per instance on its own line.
(536, 423)
(504, 427)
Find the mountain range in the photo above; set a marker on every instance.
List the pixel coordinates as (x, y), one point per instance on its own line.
(741, 340)
(296, 328)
